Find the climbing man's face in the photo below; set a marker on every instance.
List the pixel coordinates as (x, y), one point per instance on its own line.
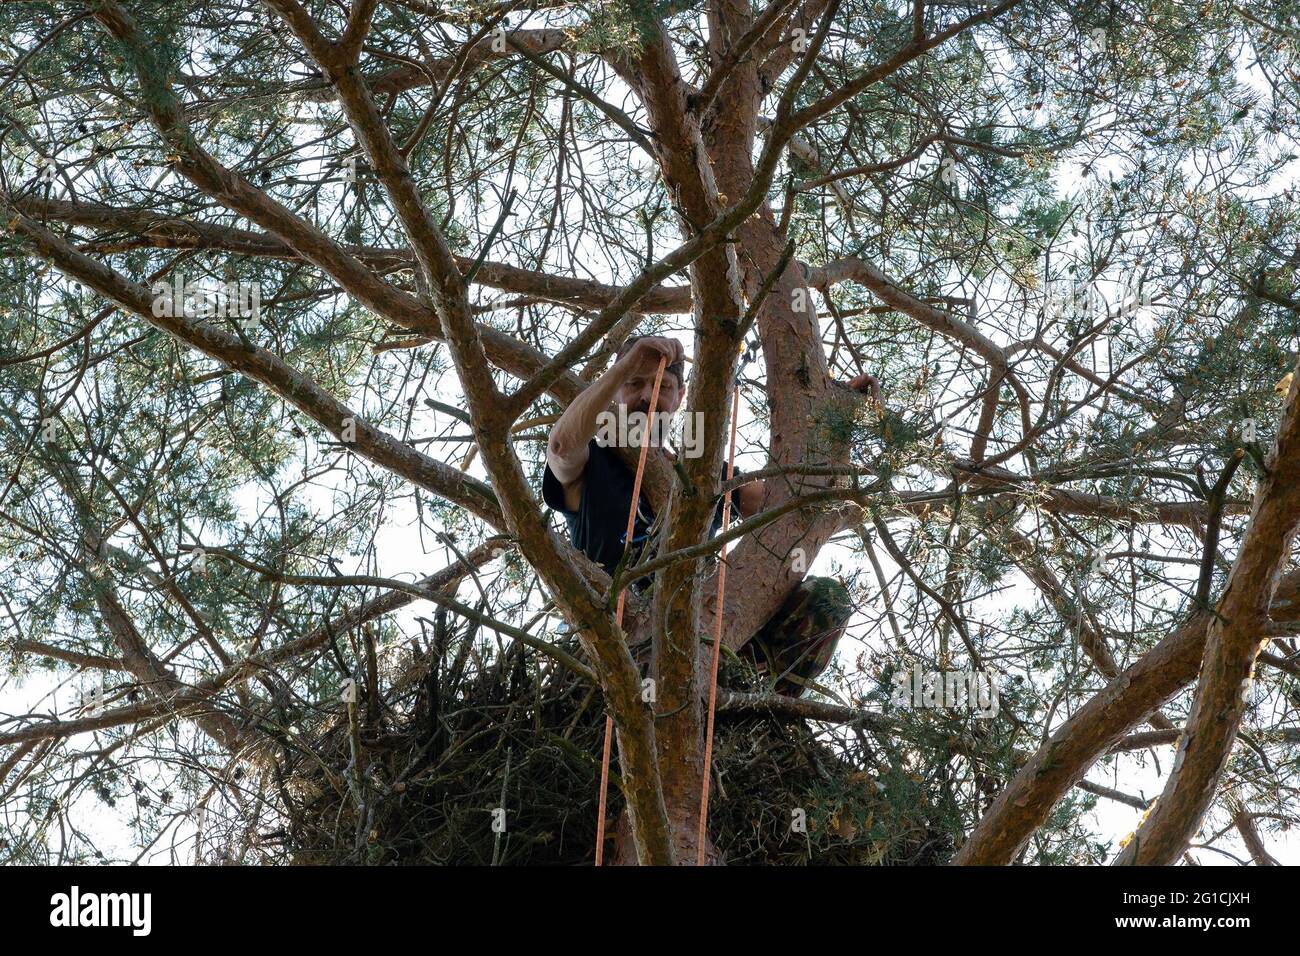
(634, 395)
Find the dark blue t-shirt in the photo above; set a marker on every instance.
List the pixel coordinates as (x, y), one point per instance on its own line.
(598, 527)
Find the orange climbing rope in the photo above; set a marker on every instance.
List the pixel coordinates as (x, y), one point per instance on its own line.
(717, 641)
(717, 623)
(618, 612)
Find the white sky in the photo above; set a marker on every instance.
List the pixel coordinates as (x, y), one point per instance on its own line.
(401, 555)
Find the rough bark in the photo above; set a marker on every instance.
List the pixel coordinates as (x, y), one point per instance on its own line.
(1240, 627)
(1095, 729)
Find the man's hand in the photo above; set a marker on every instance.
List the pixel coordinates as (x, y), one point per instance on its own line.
(644, 356)
(866, 384)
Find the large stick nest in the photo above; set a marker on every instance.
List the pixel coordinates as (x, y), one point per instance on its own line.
(421, 778)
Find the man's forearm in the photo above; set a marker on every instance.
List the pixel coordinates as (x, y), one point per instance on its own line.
(567, 444)
(748, 498)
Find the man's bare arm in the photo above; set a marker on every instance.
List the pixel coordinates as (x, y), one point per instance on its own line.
(566, 446)
(748, 498)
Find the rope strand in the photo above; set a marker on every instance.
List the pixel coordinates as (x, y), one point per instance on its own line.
(701, 837)
(618, 613)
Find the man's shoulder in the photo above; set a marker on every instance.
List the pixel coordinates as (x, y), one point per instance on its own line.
(554, 490)
(593, 451)
(604, 457)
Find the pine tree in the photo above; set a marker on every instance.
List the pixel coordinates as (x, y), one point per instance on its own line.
(291, 292)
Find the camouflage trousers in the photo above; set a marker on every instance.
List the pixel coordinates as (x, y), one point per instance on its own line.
(797, 644)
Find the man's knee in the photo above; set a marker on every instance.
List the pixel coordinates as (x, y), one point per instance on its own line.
(822, 601)
(800, 639)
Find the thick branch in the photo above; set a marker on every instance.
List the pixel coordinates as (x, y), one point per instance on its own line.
(1241, 620)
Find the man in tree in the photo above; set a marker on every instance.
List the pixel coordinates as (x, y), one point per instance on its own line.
(589, 484)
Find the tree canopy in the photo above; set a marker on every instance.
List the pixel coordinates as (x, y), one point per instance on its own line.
(290, 293)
